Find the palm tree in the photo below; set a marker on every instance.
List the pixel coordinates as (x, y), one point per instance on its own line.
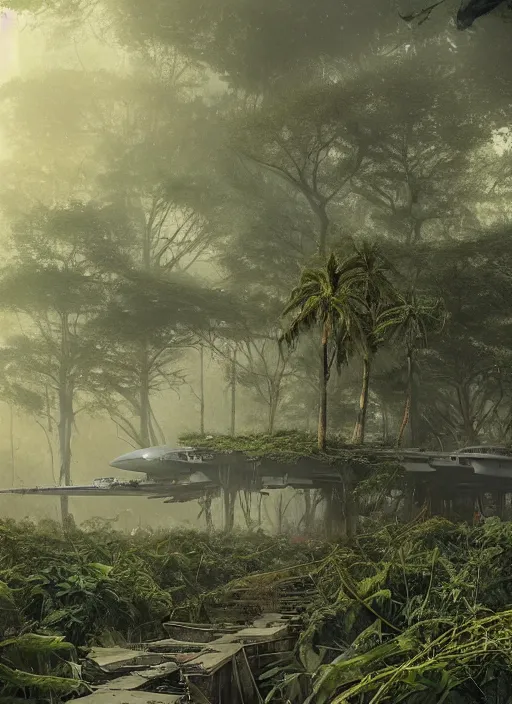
(326, 297)
(377, 292)
(410, 321)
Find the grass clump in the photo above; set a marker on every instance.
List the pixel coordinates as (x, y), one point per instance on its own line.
(35, 667)
(285, 446)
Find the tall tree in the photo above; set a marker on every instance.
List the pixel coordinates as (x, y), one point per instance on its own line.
(57, 283)
(121, 144)
(312, 146)
(325, 298)
(377, 292)
(254, 360)
(410, 322)
(464, 371)
(164, 192)
(418, 171)
(149, 324)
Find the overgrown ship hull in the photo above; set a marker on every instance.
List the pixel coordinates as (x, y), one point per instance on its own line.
(188, 473)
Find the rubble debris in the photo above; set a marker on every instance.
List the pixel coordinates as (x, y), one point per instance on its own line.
(139, 680)
(119, 697)
(215, 662)
(116, 658)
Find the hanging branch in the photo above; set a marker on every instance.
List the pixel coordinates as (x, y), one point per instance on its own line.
(421, 15)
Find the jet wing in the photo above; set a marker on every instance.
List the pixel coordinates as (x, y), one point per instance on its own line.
(185, 491)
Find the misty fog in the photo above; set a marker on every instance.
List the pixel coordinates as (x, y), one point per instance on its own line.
(256, 351)
(113, 116)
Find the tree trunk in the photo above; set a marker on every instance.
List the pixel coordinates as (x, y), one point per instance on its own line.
(499, 500)
(407, 418)
(145, 434)
(308, 518)
(282, 508)
(206, 505)
(280, 514)
(65, 430)
(328, 515)
(409, 506)
(245, 500)
(201, 390)
(156, 432)
(339, 525)
(324, 378)
(145, 411)
(233, 394)
(229, 509)
(405, 421)
(11, 436)
(324, 230)
(359, 429)
(312, 499)
(470, 435)
(66, 417)
(272, 412)
(385, 422)
(229, 496)
(260, 502)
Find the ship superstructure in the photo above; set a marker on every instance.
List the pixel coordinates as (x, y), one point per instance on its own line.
(177, 474)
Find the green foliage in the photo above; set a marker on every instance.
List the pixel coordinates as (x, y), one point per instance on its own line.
(286, 446)
(256, 44)
(412, 320)
(39, 666)
(95, 585)
(84, 584)
(327, 298)
(414, 614)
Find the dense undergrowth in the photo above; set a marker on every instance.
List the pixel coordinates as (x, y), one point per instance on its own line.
(101, 586)
(418, 614)
(91, 583)
(414, 614)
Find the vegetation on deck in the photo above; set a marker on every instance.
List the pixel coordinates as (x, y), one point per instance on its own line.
(286, 446)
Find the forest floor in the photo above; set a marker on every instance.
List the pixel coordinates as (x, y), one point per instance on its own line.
(414, 613)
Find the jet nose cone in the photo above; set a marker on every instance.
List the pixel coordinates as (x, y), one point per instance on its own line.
(139, 459)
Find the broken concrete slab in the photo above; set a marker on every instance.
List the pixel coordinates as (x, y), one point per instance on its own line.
(116, 658)
(186, 624)
(138, 680)
(117, 697)
(171, 645)
(209, 662)
(182, 659)
(267, 620)
(194, 633)
(213, 658)
(253, 634)
(223, 677)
